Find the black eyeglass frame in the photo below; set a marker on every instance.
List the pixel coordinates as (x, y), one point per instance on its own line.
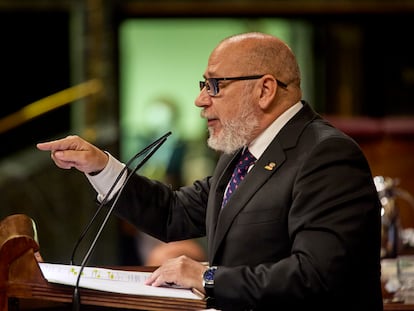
(214, 85)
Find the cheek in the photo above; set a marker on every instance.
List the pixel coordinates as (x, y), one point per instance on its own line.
(225, 113)
(228, 110)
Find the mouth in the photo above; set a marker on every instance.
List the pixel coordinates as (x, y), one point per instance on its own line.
(211, 122)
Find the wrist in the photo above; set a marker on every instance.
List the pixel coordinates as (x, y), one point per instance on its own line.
(102, 163)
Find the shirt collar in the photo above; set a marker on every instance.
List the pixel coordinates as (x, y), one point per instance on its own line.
(259, 145)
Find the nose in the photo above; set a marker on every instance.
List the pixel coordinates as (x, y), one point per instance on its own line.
(203, 99)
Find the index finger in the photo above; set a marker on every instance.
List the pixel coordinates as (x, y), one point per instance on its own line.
(59, 144)
(153, 277)
(51, 145)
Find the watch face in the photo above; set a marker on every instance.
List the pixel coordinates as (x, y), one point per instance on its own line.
(209, 275)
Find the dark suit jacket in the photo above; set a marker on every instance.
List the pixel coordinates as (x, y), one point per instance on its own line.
(304, 234)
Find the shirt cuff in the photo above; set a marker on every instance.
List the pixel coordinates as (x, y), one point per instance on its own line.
(104, 180)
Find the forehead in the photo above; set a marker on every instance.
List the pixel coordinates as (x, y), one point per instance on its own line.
(224, 60)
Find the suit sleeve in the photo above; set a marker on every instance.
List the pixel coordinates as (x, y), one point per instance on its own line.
(168, 215)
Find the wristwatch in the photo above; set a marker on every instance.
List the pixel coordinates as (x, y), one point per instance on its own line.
(208, 281)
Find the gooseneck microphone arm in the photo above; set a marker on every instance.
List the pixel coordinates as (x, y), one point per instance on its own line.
(105, 199)
(154, 146)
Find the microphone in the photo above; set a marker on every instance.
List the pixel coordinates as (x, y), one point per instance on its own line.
(152, 148)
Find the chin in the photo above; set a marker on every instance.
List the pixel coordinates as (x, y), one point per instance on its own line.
(213, 143)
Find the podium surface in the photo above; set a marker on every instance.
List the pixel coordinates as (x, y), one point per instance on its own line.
(23, 286)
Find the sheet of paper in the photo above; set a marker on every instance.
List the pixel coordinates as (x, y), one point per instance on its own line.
(110, 280)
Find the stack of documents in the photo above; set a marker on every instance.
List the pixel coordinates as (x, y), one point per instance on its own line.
(110, 280)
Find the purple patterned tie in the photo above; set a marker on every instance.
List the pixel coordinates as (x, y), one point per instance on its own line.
(246, 159)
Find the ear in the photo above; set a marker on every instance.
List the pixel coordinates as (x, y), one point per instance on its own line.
(268, 91)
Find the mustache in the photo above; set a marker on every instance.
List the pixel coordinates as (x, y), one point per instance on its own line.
(205, 115)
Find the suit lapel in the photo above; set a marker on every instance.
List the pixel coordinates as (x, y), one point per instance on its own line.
(264, 168)
(225, 167)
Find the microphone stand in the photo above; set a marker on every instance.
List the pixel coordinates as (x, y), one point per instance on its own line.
(105, 199)
(156, 145)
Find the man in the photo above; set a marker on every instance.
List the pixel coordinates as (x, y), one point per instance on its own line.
(301, 231)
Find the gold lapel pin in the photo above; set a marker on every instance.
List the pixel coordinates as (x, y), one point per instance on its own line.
(270, 166)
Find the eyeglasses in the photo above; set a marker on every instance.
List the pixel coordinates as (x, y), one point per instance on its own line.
(212, 84)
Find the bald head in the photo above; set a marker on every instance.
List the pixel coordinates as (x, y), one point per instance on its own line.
(259, 53)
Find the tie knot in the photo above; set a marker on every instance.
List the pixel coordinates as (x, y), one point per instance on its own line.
(246, 159)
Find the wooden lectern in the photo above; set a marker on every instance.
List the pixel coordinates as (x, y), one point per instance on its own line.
(23, 287)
